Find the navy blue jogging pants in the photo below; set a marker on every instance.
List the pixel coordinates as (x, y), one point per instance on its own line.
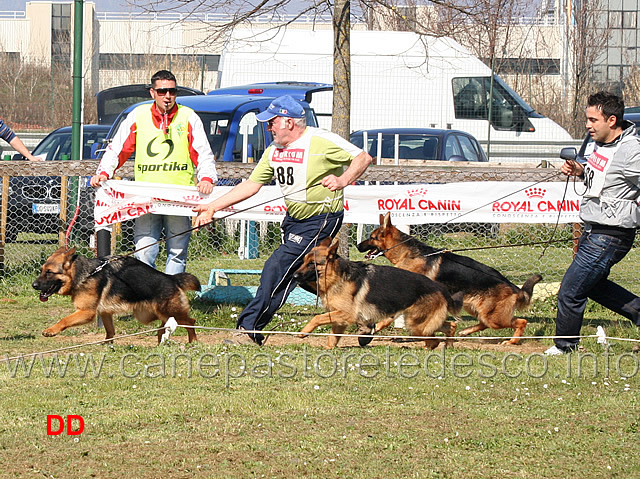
(276, 281)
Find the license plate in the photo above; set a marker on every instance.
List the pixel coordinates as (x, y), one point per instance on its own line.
(45, 208)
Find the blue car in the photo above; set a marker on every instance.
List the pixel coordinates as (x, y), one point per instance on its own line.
(414, 146)
(229, 116)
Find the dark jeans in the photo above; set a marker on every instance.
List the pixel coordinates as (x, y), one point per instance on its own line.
(587, 278)
(276, 281)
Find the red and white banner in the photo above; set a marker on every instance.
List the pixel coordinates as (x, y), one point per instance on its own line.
(479, 202)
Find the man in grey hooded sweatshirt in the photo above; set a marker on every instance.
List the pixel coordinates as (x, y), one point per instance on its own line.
(611, 214)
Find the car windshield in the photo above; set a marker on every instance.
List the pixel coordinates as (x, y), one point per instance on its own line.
(216, 126)
(410, 146)
(57, 146)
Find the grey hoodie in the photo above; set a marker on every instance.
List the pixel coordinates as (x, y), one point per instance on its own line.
(612, 178)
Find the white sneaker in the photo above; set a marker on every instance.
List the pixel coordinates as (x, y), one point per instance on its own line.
(554, 351)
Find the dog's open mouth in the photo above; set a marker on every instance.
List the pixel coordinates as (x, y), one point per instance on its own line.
(373, 253)
(44, 295)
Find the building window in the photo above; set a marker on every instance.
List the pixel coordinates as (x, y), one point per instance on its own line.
(138, 61)
(61, 34)
(629, 19)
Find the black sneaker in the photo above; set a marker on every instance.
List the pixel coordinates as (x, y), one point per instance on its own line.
(239, 338)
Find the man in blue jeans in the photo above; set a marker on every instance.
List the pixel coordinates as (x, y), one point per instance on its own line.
(171, 148)
(611, 214)
(312, 166)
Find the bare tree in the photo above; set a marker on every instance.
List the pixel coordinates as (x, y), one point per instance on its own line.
(631, 90)
(237, 13)
(34, 95)
(588, 35)
(341, 68)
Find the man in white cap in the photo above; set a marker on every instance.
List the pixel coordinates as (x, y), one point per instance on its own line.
(309, 166)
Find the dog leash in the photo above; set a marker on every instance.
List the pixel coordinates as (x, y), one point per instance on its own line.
(380, 253)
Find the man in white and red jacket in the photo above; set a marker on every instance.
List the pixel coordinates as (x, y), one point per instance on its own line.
(171, 147)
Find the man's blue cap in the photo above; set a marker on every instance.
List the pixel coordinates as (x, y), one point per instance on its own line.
(282, 106)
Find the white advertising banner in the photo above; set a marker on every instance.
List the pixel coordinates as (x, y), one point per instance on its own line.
(475, 202)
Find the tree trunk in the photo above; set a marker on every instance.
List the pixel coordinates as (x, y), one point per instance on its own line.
(341, 68)
(341, 117)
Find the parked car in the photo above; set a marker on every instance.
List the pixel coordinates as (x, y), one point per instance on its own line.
(112, 101)
(586, 148)
(413, 146)
(229, 116)
(34, 201)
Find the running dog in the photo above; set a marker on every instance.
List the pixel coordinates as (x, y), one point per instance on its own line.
(114, 285)
(363, 294)
(488, 295)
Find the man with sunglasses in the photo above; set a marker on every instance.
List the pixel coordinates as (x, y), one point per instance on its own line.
(311, 166)
(171, 147)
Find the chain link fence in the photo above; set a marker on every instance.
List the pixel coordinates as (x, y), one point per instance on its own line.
(41, 213)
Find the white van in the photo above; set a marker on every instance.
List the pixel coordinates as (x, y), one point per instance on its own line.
(398, 79)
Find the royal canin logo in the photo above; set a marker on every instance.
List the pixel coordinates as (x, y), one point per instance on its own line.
(535, 192)
(535, 203)
(417, 192)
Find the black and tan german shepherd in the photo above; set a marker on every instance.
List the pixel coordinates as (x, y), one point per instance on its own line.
(365, 294)
(123, 285)
(488, 295)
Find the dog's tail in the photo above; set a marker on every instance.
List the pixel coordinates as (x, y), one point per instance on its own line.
(526, 292)
(187, 281)
(454, 303)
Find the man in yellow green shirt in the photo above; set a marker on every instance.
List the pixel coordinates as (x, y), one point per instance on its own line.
(312, 166)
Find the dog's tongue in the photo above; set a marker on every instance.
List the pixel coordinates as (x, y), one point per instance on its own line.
(43, 298)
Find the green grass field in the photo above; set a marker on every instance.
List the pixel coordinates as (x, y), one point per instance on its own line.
(292, 409)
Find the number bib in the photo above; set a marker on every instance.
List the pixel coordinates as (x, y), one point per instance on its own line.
(595, 171)
(290, 168)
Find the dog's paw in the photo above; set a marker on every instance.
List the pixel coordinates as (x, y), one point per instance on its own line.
(49, 332)
(509, 341)
(302, 335)
(366, 329)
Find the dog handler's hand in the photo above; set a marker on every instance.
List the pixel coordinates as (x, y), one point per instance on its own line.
(205, 187)
(572, 168)
(333, 182)
(97, 179)
(205, 214)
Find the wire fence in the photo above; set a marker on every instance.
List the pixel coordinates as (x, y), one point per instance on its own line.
(41, 213)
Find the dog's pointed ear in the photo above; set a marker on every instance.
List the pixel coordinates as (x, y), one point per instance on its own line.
(68, 257)
(326, 242)
(386, 221)
(381, 219)
(334, 247)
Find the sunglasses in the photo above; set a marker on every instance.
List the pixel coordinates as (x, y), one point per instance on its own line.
(164, 91)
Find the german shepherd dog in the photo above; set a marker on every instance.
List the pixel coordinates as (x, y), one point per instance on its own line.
(363, 294)
(488, 295)
(123, 285)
